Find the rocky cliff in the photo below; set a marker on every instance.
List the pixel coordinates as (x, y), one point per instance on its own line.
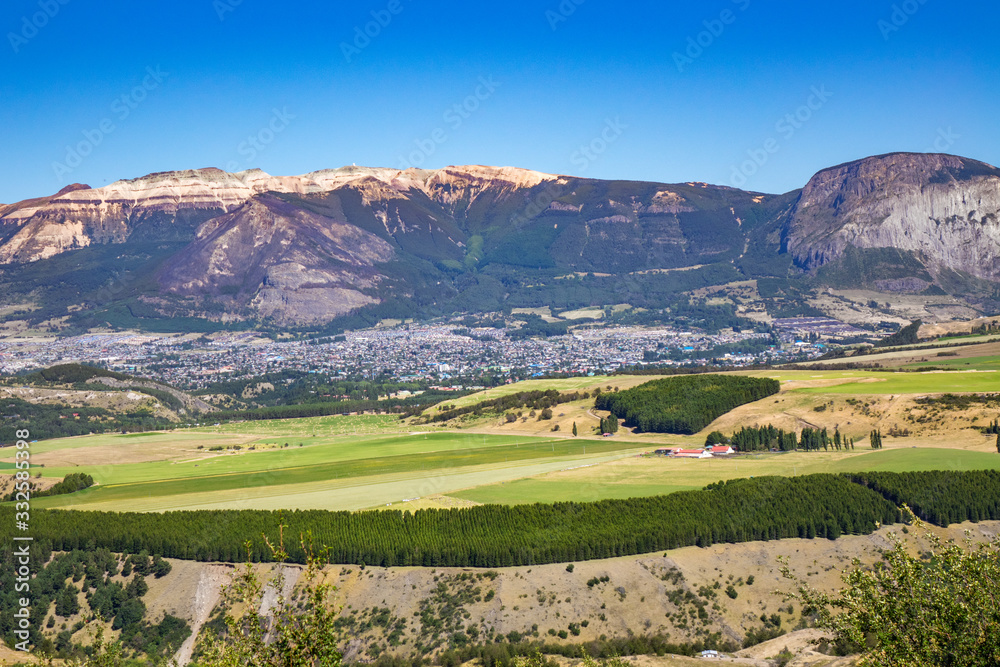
(943, 209)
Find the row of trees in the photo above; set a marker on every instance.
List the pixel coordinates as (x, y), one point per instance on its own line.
(493, 535)
(684, 404)
(876, 439)
(534, 400)
(766, 438)
(609, 424)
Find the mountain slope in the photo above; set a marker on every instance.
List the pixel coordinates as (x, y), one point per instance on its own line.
(304, 250)
(271, 259)
(940, 210)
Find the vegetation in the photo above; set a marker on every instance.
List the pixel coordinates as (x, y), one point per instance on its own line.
(300, 631)
(905, 336)
(61, 421)
(62, 577)
(528, 400)
(490, 535)
(943, 611)
(684, 404)
(940, 497)
(71, 483)
(876, 439)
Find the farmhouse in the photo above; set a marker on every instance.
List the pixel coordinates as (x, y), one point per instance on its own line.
(692, 454)
(722, 450)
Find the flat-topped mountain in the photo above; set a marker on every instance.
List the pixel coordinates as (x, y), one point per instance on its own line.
(307, 249)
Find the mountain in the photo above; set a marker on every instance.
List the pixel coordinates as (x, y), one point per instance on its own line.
(936, 213)
(206, 246)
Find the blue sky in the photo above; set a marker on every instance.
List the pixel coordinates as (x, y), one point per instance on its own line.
(736, 92)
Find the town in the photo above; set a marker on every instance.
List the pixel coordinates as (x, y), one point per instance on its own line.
(440, 353)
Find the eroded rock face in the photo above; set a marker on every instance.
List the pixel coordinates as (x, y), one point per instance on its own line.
(945, 209)
(271, 259)
(79, 216)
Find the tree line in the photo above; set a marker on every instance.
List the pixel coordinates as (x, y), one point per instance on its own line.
(940, 497)
(534, 400)
(684, 404)
(762, 508)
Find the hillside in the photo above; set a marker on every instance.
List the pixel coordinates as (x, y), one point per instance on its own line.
(202, 248)
(395, 610)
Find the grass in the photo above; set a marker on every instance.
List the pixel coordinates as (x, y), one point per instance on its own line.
(559, 384)
(427, 456)
(363, 461)
(880, 382)
(991, 362)
(644, 476)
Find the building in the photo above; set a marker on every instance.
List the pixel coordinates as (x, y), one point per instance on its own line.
(692, 454)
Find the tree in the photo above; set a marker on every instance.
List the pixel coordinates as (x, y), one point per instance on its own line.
(301, 634)
(998, 437)
(912, 612)
(998, 440)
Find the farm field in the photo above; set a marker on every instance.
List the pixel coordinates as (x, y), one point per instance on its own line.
(345, 472)
(653, 475)
(368, 461)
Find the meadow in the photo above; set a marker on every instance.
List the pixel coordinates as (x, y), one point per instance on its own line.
(368, 461)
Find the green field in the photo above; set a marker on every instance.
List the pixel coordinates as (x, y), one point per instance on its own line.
(365, 461)
(880, 382)
(978, 363)
(656, 475)
(331, 472)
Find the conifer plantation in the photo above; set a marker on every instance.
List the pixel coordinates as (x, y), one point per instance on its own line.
(684, 404)
(763, 508)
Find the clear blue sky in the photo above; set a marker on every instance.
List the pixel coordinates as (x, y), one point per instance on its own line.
(923, 79)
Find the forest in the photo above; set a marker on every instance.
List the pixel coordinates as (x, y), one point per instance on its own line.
(684, 404)
(763, 508)
(61, 577)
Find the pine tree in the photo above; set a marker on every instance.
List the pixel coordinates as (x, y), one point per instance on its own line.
(574, 429)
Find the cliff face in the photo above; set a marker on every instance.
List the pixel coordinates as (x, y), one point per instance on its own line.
(273, 260)
(79, 216)
(944, 209)
(306, 249)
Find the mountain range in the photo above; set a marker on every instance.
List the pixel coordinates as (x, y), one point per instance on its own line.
(210, 247)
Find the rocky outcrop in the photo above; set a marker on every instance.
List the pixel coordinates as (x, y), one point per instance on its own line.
(944, 209)
(78, 216)
(269, 258)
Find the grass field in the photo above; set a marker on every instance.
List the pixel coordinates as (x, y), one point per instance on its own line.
(363, 461)
(310, 465)
(653, 475)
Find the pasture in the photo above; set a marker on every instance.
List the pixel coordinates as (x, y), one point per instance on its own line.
(654, 475)
(367, 461)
